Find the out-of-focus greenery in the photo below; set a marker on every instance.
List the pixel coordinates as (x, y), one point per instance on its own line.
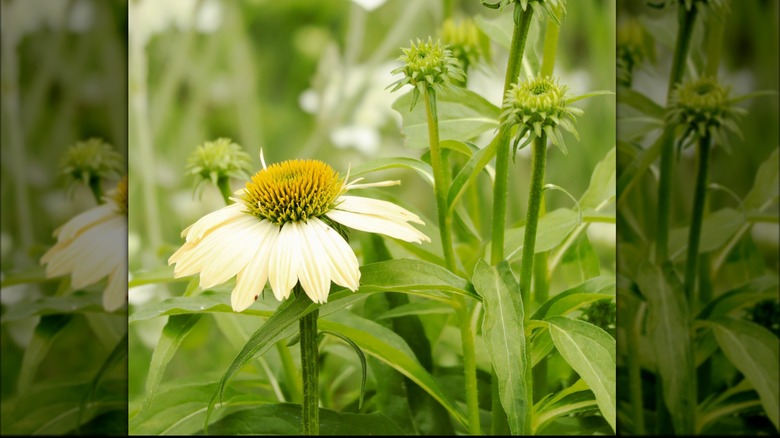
(64, 67)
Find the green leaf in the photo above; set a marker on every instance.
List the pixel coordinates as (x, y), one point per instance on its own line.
(668, 330)
(640, 102)
(385, 345)
(463, 115)
(422, 168)
(735, 399)
(580, 261)
(638, 167)
(285, 419)
(581, 295)
(163, 274)
(601, 190)
(117, 355)
(552, 229)
(717, 229)
(541, 343)
(44, 335)
(758, 289)
(53, 409)
(636, 127)
(576, 398)
(502, 329)
(174, 332)
(361, 356)
(590, 351)
(498, 29)
(77, 302)
(755, 351)
(33, 274)
(765, 188)
(469, 172)
(589, 95)
(428, 307)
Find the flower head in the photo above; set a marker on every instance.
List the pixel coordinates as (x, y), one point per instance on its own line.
(217, 160)
(555, 9)
(427, 66)
(91, 160)
(284, 228)
(463, 40)
(539, 106)
(634, 46)
(719, 7)
(702, 107)
(93, 245)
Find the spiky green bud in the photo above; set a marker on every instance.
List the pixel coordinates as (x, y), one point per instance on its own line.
(463, 40)
(536, 106)
(91, 161)
(218, 160)
(634, 46)
(427, 65)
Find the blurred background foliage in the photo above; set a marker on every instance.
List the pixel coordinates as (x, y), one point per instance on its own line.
(64, 79)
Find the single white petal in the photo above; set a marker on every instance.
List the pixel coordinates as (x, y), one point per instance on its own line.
(285, 261)
(376, 207)
(314, 273)
(251, 280)
(344, 266)
(353, 184)
(235, 252)
(212, 220)
(375, 224)
(200, 254)
(115, 295)
(106, 246)
(83, 221)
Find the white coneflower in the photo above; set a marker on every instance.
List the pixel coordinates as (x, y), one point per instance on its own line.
(93, 245)
(281, 230)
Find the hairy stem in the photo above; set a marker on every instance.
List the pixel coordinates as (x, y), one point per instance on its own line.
(532, 216)
(224, 188)
(310, 373)
(469, 367)
(694, 234)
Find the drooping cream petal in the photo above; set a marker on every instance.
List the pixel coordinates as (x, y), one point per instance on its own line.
(211, 221)
(115, 295)
(105, 248)
(233, 252)
(193, 257)
(251, 280)
(343, 264)
(376, 207)
(378, 224)
(314, 272)
(285, 261)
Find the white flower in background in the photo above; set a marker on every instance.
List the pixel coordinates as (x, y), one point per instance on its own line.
(93, 245)
(358, 89)
(23, 17)
(369, 5)
(149, 17)
(283, 229)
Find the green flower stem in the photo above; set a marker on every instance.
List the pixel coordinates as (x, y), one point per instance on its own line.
(532, 217)
(550, 48)
(519, 37)
(96, 188)
(635, 371)
(224, 189)
(439, 180)
(687, 19)
(694, 235)
(498, 423)
(310, 372)
(469, 366)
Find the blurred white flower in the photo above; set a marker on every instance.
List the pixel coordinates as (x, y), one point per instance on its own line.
(283, 229)
(149, 17)
(369, 5)
(23, 17)
(93, 245)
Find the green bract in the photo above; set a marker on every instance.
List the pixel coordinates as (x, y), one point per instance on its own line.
(91, 160)
(218, 160)
(700, 107)
(427, 65)
(555, 9)
(539, 105)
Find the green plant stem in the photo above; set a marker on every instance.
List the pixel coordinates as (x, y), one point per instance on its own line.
(469, 366)
(532, 217)
(439, 180)
(550, 48)
(224, 188)
(697, 216)
(687, 19)
(635, 371)
(519, 37)
(97, 189)
(498, 423)
(310, 372)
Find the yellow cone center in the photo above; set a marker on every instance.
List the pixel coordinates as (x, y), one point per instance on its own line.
(120, 195)
(292, 191)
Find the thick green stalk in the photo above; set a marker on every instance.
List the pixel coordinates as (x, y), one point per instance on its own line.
(694, 233)
(439, 180)
(686, 20)
(519, 37)
(532, 217)
(96, 188)
(498, 423)
(310, 373)
(469, 367)
(224, 188)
